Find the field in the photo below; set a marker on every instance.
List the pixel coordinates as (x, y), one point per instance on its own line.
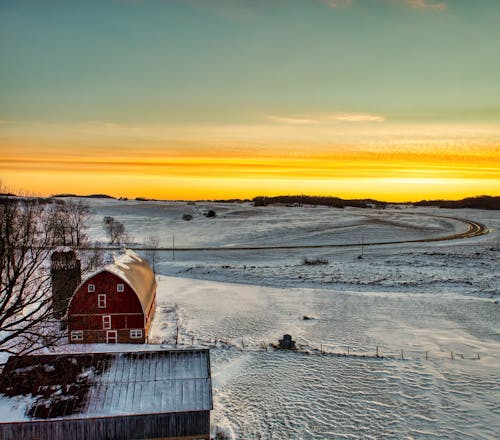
(239, 281)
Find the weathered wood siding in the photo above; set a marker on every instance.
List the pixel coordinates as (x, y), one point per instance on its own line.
(116, 302)
(191, 425)
(124, 308)
(99, 336)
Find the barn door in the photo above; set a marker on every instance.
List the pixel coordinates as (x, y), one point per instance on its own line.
(111, 337)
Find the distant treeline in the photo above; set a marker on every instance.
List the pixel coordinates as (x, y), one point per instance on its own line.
(90, 196)
(480, 202)
(334, 202)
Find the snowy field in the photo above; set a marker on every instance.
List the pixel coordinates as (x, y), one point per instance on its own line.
(433, 300)
(276, 395)
(468, 266)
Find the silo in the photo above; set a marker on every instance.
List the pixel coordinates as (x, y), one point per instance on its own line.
(66, 276)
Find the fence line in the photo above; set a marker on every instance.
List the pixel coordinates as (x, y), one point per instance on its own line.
(379, 352)
(375, 352)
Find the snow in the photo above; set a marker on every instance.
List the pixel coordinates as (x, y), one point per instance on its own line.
(122, 264)
(122, 383)
(14, 408)
(429, 299)
(312, 395)
(433, 300)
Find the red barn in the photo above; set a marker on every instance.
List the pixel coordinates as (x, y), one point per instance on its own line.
(116, 304)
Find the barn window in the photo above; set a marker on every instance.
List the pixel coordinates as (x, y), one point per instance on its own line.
(77, 335)
(120, 287)
(136, 334)
(91, 288)
(101, 300)
(106, 322)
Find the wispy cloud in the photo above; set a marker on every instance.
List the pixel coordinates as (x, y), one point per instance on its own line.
(356, 117)
(426, 5)
(430, 5)
(337, 3)
(294, 120)
(326, 118)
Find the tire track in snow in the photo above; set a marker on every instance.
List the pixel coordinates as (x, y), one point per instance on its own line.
(474, 229)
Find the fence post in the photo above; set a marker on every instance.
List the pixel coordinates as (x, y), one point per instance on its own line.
(451, 353)
(426, 355)
(478, 356)
(321, 347)
(402, 356)
(347, 350)
(377, 351)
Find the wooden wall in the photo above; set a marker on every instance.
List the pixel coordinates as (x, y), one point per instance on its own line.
(124, 308)
(190, 425)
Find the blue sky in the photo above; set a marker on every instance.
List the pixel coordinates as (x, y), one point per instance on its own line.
(206, 61)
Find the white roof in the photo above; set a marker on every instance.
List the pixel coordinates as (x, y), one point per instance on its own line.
(135, 270)
(123, 383)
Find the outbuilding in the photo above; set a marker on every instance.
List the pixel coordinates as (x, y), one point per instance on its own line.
(115, 304)
(149, 394)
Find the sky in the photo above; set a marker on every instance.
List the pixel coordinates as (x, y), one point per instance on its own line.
(397, 100)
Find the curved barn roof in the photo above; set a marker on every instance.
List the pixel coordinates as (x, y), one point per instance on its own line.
(135, 271)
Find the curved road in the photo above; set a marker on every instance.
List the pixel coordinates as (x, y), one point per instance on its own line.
(474, 229)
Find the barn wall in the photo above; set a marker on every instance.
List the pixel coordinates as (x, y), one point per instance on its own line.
(94, 322)
(105, 282)
(189, 424)
(150, 316)
(99, 336)
(124, 308)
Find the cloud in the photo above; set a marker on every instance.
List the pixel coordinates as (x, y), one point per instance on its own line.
(326, 118)
(356, 117)
(294, 120)
(426, 5)
(430, 5)
(337, 3)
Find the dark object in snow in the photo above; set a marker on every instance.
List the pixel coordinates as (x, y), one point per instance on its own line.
(286, 343)
(210, 214)
(314, 261)
(144, 394)
(307, 318)
(187, 217)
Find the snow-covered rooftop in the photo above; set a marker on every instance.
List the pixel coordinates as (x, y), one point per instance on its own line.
(133, 269)
(80, 385)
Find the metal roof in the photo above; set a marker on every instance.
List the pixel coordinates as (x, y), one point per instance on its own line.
(86, 385)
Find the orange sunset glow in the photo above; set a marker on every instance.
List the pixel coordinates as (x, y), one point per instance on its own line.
(226, 162)
(245, 106)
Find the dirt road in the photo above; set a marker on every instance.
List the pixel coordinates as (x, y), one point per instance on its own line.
(474, 229)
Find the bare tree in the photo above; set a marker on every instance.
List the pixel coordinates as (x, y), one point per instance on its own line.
(26, 319)
(114, 229)
(151, 245)
(68, 222)
(58, 224)
(78, 214)
(94, 257)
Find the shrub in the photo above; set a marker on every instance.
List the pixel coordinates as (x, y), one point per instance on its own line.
(314, 261)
